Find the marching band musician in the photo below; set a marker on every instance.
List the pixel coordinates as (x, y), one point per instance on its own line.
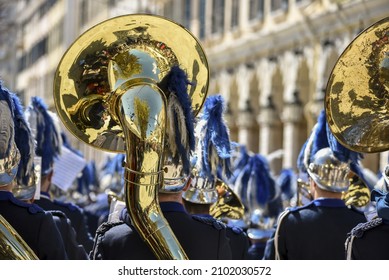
(318, 229)
(35, 226)
(369, 241)
(200, 238)
(213, 154)
(48, 139)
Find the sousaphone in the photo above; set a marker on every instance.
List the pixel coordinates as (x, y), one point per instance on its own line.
(107, 93)
(357, 94)
(12, 245)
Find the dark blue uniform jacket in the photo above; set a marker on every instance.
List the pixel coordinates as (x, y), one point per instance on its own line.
(34, 225)
(200, 239)
(316, 231)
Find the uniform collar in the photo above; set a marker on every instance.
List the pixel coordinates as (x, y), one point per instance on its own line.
(6, 195)
(329, 202)
(172, 207)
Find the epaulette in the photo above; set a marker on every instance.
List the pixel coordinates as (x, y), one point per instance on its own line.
(360, 229)
(32, 208)
(236, 230)
(71, 206)
(210, 221)
(104, 227)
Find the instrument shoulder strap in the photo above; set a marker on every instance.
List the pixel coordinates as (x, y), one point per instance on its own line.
(279, 221)
(104, 227)
(357, 232)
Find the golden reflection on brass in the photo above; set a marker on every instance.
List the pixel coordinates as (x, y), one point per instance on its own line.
(107, 55)
(358, 193)
(228, 204)
(12, 245)
(106, 91)
(303, 194)
(357, 97)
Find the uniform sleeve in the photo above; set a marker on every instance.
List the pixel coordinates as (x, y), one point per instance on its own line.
(50, 242)
(224, 246)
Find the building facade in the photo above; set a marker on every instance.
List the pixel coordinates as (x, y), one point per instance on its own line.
(270, 59)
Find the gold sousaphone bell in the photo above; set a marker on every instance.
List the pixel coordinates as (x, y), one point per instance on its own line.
(357, 94)
(357, 99)
(107, 92)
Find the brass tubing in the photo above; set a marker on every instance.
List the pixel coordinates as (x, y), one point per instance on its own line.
(143, 172)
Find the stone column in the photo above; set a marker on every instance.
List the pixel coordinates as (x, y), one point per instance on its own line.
(267, 18)
(267, 117)
(246, 121)
(225, 89)
(317, 57)
(291, 117)
(292, 111)
(243, 16)
(246, 115)
(195, 19)
(270, 138)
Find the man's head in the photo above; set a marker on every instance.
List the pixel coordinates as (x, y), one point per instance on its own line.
(328, 175)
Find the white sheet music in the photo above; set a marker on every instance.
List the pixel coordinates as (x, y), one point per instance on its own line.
(66, 168)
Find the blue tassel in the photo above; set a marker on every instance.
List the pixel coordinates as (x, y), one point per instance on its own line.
(240, 163)
(25, 143)
(320, 135)
(214, 141)
(340, 151)
(285, 181)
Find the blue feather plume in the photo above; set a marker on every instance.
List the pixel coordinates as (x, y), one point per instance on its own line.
(255, 185)
(239, 163)
(300, 159)
(320, 140)
(341, 152)
(214, 147)
(263, 185)
(180, 118)
(315, 142)
(24, 141)
(47, 137)
(285, 181)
